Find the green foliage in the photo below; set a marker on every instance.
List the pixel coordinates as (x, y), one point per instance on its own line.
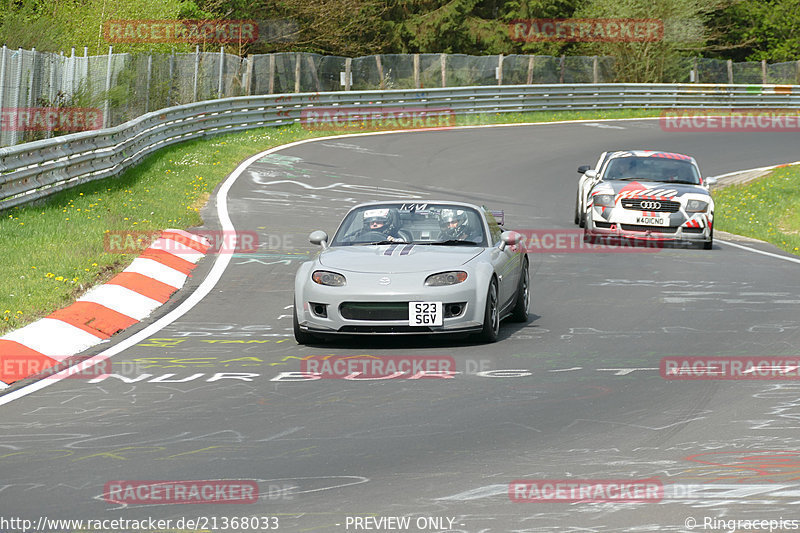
(757, 29)
(657, 61)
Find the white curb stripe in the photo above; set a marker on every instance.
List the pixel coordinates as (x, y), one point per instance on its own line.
(157, 271)
(53, 338)
(196, 238)
(121, 300)
(176, 248)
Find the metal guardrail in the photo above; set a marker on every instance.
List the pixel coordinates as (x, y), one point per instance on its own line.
(34, 170)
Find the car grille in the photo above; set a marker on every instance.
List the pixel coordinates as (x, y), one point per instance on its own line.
(667, 206)
(653, 229)
(374, 310)
(390, 310)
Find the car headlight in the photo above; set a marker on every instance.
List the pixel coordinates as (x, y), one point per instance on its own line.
(332, 279)
(603, 200)
(446, 278)
(696, 206)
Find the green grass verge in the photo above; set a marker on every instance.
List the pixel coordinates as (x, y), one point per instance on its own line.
(53, 252)
(764, 209)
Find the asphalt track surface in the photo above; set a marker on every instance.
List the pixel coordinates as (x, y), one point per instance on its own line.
(590, 405)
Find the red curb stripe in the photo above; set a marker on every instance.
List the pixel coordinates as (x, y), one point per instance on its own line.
(94, 318)
(186, 241)
(17, 361)
(144, 285)
(167, 259)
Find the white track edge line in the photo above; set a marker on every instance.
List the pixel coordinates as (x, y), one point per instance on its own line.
(762, 252)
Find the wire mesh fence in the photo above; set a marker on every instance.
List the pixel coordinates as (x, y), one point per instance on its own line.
(39, 90)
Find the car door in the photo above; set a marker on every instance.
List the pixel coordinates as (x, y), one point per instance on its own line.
(507, 263)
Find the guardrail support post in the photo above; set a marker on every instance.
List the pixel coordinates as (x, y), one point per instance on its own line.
(380, 71)
(500, 69)
(15, 133)
(348, 65)
(297, 58)
(2, 76)
(730, 71)
(764, 71)
(561, 74)
(149, 76)
(221, 85)
(108, 87)
(443, 58)
(530, 70)
(86, 66)
(72, 81)
(271, 73)
(595, 70)
(248, 72)
(31, 79)
(196, 70)
(171, 77)
(51, 90)
(313, 68)
(416, 71)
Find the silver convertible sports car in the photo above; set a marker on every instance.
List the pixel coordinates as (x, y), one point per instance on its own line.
(412, 268)
(645, 196)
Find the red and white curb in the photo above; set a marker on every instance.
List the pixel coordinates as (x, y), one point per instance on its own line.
(124, 300)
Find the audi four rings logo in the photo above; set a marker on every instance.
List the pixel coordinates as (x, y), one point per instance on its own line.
(649, 206)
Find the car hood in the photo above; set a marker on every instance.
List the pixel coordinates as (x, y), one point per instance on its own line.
(632, 189)
(396, 258)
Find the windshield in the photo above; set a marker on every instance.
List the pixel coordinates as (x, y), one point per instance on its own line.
(652, 169)
(406, 222)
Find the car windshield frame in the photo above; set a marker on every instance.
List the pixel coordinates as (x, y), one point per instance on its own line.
(655, 169)
(419, 220)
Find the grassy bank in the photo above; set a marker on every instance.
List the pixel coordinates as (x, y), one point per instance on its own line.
(53, 252)
(764, 209)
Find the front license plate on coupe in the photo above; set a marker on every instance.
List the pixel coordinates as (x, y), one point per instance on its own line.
(425, 313)
(653, 221)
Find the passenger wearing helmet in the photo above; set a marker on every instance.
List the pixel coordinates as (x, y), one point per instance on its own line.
(455, 226)
(382, 221)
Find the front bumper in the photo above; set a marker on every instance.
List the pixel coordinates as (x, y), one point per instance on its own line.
(613, 226)
(337, 302)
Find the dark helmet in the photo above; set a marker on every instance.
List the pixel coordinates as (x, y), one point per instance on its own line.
(384, 218)
(453, 222)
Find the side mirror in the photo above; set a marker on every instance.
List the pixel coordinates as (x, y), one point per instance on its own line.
(319, 238)
(591, 174)
(710, 181)
(583, 168)
(508, 238)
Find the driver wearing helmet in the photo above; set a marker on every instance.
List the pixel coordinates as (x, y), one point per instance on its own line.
(383, 221)
(454, 225)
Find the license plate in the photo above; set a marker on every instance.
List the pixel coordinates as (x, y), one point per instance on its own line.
(425, 313)
(653, 221)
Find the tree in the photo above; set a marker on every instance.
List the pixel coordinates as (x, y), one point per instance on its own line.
(757, 29)
(685, 33)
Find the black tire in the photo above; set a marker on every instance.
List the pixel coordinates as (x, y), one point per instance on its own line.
(302, 337)
(520, 311)
(577, 218)
(708, 245)
(491, 315)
